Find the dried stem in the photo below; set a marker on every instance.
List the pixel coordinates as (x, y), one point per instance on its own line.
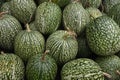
(43, 57)
(118, 72)
(2, 52)
(107, 75)
(27, 27)
(72, 33)
(3, 13)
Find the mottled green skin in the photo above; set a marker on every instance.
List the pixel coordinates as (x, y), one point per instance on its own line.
(110, 64)
(32, 26)
(5, 7)
(28, 44)
(91, 3)
(108, 4)
(38, 69)
(94, 12)
(9, 28)
(83, 48)
(114, 13)
(63, 47)
(103, 36)
(75, 17)
(81, 69)
(61, 3)
(48, 17)
(11, 67)
(23, 10)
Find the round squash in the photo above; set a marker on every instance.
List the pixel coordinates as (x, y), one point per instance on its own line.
(9, 28)
(41, 67)
(23, 10)
(48, 17)
(75, 17)
(28, 43)
(63, 46)
(103, 36)
(111, 65)
(82, 69)
(11, 67)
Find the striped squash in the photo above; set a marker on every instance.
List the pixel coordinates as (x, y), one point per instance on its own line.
(41, 67)
(48, 17)
(11, 67)
(63, 46)
(75, 17)
(28, 43)
(61, 3)
(82, 69)
(111, 65)
(9, 28)
(23, 10)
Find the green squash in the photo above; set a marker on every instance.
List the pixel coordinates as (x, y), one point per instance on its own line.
(23, 10)
(94, 12)
(63, 46)
(111, 65)
(108, 4)
(28, 43)
(103, 36)
(114, 13)
(91, 3)
(9, 28)
(61, 3)
(11, 67)
(82, 69)
(75, 17)
(48, 17)
(41, 67)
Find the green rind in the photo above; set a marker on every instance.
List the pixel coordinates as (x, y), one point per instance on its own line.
(23, 10)
(94, 12)
(82, 69)
(91, 3)
(108, 4)
(5, 7)
(63, 47)
(103, 36)
(28, 44)
(61, 3)
(110, 65)
(48, 17)
(9, 28)
(38, 69)
(114, 13)
(11, 67)
(75, 17)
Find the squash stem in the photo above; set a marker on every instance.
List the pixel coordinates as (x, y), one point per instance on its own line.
(3, 13)
(43, 57)
(27, 27)
(70, 33)
(2, 52)
(118, 72)
(107, 75)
